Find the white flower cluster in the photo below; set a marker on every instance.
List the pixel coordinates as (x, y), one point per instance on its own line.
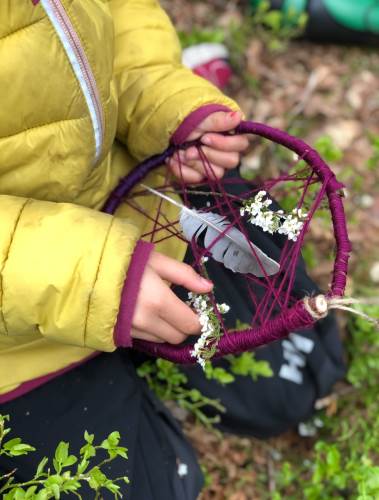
(206, 344)
(271, 222)
(293, 224)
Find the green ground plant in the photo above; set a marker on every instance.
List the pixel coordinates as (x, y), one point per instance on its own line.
(344, 461)
(197, 36)
(170, 383)
(65, 473)
(373, 162)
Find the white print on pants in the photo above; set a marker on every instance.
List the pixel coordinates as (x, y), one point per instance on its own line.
(294, 349)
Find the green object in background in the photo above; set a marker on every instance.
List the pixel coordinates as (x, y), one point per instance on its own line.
(346, 21)
(296, 6)
(358, 15)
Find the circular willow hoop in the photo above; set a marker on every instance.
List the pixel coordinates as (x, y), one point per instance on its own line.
(305, 312)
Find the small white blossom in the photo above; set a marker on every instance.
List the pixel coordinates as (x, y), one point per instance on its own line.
(203, 348)
(223, 308)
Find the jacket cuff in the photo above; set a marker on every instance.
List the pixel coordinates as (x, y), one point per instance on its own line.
(129, 294)
(193, 120)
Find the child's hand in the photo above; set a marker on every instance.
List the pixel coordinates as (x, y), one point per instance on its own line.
(223, 152)
(159, 315)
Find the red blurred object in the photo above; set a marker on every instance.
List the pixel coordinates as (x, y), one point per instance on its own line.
(209, 60)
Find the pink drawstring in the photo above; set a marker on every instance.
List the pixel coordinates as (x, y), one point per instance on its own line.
(34, 2)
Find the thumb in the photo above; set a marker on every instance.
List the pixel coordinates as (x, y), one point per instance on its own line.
(221, 121)
(179, 273)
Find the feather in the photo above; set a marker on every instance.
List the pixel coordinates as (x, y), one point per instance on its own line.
(233, 249)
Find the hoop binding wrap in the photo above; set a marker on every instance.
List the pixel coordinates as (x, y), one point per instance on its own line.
(305, 312)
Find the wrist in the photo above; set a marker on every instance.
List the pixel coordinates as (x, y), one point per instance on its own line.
(122, 331)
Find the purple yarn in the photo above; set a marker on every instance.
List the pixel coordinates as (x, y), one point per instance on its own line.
(289, 320)
(136, 175)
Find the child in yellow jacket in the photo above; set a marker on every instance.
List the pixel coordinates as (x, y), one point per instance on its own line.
(89, 88)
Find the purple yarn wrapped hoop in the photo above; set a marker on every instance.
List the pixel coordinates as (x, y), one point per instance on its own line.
(302, 314)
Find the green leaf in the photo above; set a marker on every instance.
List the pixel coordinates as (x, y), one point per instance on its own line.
(121, 452)
(15, 447)
(273, 20)
(218, 373)
(56, 491)
(114, 488)
(82, 466)
(42, 495)
(70, 460)
(88, 451)
(327, 149)
(70, 485)
(97, 478)
(195, 395)
(30, 492)
(88, 437)
(111, 442)
(19, 494)
(41, 466)
(246, 365)
(61, 454)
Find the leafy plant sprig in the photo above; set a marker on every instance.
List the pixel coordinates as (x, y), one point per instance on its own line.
(169, 383)
(68, 473)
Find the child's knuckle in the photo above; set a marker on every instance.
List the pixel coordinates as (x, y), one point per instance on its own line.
(177, 338)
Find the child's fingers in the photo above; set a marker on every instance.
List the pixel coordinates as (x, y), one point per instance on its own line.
(194, 172)
(160, 328)
(179, 273)
(185, 172)
(208, 170)
(179, 315)
(192, 160)
(223, 159)
(237, 143)
(140, 334)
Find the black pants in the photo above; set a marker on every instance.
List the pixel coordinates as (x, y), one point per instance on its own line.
(102, 396)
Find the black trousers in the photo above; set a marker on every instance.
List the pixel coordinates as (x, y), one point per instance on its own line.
(102, 396)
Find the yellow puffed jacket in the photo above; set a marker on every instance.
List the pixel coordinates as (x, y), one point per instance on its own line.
(87, 88)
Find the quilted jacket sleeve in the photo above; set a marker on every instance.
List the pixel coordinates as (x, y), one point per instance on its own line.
(62, 269)
(155, 91)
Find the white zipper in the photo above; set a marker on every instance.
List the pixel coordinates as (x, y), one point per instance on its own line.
(82, 69)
